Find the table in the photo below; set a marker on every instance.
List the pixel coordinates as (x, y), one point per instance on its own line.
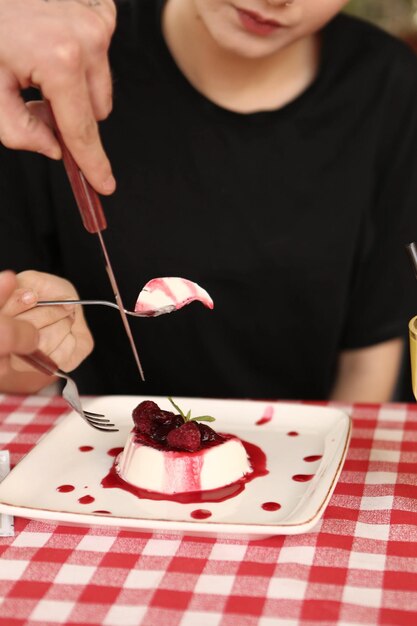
(358, 565)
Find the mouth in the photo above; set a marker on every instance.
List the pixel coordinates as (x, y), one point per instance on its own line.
(257, 24)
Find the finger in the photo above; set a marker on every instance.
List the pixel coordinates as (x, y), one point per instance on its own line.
(96, 40)
(100, 88)
(16, 336)
(73, 350)
(49, 317)
(84, 339)
(64, 353)
(12, 299)
(70, 100)
(48, 287)
(4, 366)
(52, 336)
(8, 283)
(105, 10)
(20, 129)
(19, 301)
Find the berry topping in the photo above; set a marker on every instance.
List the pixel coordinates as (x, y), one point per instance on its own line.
(208, 434)
(144, 414)
(161, 429)
(163, 423)
(186, 437)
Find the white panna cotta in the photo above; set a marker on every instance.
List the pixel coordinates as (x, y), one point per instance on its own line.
(167, 294)
(176, 471)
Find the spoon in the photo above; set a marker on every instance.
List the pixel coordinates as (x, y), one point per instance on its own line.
(158, 296)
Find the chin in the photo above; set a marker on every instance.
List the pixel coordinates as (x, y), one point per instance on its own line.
(246, 47)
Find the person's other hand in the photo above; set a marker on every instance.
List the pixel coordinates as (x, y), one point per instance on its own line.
(18, 337)
(63, 332)
(60, 47)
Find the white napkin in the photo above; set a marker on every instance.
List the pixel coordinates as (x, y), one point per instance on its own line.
(6, 521)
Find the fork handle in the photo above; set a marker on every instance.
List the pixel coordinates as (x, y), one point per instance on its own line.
(87, 199)
(41, 362)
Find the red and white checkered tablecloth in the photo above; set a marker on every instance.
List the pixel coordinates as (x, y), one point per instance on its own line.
(358, 566)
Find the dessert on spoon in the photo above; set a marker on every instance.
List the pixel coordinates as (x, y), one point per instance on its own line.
(158, 296)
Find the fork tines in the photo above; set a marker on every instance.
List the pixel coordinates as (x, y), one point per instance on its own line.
(97, 417)
(99, 421)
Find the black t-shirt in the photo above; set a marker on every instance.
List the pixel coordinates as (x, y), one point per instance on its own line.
(294, 220)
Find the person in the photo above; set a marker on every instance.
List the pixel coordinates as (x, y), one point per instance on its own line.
(16, 336)
(265, 149)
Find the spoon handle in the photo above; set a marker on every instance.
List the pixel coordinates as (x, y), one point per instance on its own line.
(101, 302)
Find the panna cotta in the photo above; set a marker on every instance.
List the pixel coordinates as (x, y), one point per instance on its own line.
(167, 294)
(169, 453)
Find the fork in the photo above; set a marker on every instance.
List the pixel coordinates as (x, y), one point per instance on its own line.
(46, 365)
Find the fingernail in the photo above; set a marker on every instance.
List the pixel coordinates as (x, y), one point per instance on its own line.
(109, 184)
(28, 297)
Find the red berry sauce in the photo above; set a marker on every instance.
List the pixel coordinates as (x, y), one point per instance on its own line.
(257, 459)
(86, 500)
(200, 514)
(302, 478)
(65, 488)
(271, 506)
(312, 458)
(85, 448)
(114, 451)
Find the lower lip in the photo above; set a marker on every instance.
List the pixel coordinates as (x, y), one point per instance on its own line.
(263, 29)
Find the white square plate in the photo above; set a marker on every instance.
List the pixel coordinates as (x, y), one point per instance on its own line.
(76, 455)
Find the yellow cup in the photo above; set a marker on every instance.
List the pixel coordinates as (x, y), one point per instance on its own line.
(412, 332)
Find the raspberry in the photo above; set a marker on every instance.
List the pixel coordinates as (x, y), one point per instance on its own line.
(163, 423)
(167, 418)
(208, 434)
(144, 415)
(186, 437)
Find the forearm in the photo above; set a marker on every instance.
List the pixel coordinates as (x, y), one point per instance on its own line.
(368, 374)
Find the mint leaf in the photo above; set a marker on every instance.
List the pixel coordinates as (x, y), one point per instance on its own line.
(177, 408)
(203, 418)
(188, 418)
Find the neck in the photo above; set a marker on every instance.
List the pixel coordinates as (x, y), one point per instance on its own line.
(236, 82)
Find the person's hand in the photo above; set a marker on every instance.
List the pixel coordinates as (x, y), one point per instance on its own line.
(60, 47)
(63, 332)
(18, 337)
